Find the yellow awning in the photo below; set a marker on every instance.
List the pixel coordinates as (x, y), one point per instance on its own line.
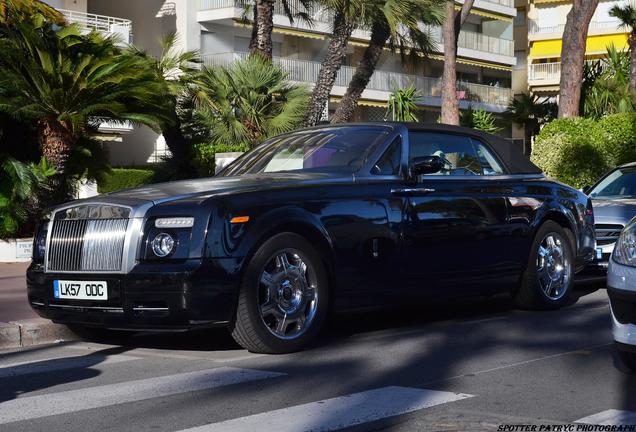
(287, 31)
(487, 14)
(362, 102)
(474, 63)
(595, 45)
(550, 1)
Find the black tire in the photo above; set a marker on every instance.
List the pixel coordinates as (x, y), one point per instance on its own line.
(530, 294)
(628, 359)
(249, 328)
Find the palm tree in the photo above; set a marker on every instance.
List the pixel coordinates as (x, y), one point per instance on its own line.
(531, 113)
(15, 11)
(66, 82)
(627, 17)
(247, 102)
(453, 22)
(573, 56)
(608, 91)
(398, 24)
(347, 13)
(175, 69)
(403, 104)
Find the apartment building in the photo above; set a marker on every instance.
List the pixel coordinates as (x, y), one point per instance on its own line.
(220, 31)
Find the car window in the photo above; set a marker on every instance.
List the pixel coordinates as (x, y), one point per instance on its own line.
(620, 183)
(462, 156)
(341, 148)
(389, 162)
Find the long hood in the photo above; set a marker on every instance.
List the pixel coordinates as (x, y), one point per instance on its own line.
(614, 211)
(207, 187)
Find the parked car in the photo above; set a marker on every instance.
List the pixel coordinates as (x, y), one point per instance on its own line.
(621, 289)
(329, 218)
(614, 202)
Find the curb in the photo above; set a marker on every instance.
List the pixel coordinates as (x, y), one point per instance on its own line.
(35, 331)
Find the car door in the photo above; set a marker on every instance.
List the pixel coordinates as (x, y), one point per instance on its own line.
(454, 226)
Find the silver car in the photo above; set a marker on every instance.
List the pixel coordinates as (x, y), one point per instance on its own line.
(621, 289)
(614, 201)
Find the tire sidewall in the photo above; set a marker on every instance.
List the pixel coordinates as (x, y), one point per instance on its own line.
(250, 285)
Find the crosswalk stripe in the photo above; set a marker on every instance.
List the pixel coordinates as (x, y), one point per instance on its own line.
(26, 408)
(610, 417)
(52, 364)
(339, 412)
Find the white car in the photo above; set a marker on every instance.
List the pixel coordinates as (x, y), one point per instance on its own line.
(621, 289)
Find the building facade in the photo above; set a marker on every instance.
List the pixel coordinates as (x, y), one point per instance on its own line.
(220, 31)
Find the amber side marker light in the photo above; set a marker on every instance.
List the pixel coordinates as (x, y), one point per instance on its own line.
(239, 219)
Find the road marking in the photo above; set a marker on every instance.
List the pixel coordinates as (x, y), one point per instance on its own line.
(26, 408)
(339, 412)
(610, 417)
(60, 363)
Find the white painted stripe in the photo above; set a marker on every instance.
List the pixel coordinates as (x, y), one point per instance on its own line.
(26, 408)
(339, 412)
(610, 417)
(59, 363)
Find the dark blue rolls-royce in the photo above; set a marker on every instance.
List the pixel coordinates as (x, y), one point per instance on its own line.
(321, 219)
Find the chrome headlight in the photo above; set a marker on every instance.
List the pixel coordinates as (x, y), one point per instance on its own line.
(625, 248)
(163, 245)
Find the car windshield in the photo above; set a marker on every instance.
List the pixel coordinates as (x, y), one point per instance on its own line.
(336, 149)
(621, 183)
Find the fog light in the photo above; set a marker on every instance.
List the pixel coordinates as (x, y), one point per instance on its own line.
(163, 245)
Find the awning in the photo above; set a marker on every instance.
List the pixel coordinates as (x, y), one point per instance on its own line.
(595, 45)
(483, 13)
(362, 102)
(475, 63)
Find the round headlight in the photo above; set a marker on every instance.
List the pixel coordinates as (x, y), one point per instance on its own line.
(163, 245)
(625, 248)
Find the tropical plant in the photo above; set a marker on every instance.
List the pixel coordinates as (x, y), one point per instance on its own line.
(573, 56)
(453, 22)
(68, 82)
(175, 69)
(347, 13)
(16, 11)
(247, 102)
(627, 17)
(530, 112)
(608, 89)
(480, 119)
(402, 104)
(399, 24)
(19, 183)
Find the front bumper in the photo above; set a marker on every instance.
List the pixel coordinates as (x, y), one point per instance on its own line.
(621, 289)
(182, 296)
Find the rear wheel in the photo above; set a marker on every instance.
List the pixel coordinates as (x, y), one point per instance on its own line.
(283, 298)
(549, 276)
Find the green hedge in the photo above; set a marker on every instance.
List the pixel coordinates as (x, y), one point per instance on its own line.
(204, 155)
(577, 151)
(125, 178)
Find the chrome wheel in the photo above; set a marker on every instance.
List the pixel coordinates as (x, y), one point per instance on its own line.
(288, 298)
(554, 269)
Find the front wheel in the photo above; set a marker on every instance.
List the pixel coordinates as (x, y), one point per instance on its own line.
(283, 298)
(549, 276)
(628, 358)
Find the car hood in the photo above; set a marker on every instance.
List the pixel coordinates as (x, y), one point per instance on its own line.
(614, 211)
(206, 187)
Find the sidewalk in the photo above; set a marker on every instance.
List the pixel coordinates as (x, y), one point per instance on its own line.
(19, 325)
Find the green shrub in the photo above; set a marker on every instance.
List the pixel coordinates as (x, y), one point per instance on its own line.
(569, 150)
(618, 138)
(125, 178)
(204, 155)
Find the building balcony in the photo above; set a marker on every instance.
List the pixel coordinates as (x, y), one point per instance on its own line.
(382, 83)
(538, 31)
(110, 26)
(471, 44)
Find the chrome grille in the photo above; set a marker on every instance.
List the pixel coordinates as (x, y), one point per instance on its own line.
(607, 233)
(87, 244)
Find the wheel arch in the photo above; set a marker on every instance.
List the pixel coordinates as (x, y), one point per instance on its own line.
(566, 222)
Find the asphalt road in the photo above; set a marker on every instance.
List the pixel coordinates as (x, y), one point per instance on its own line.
(475, 366)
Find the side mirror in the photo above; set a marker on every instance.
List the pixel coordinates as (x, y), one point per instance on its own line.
(426, 165)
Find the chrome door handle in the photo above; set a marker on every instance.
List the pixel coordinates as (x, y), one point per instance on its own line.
(412, 191)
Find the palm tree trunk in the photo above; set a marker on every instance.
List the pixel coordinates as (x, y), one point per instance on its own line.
(336, 52)
(450, 35)
(632, 64)
(362, 75)
(573, 56)
(56, 143)
(264, 24)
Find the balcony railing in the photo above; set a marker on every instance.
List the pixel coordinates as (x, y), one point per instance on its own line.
(306, 71)
(536, 28)
(507, 3)
(101, 23)
(467, 39)
(544, 73)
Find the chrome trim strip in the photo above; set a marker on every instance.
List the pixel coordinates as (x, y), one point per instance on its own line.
(37, 303)
(155, 309)
(113, 309)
